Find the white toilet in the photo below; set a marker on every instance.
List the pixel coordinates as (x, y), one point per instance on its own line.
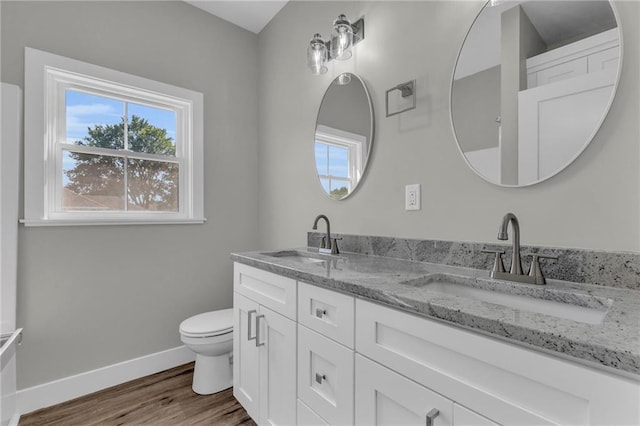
(210, 336)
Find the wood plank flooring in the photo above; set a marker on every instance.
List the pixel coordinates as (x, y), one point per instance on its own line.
(164, 398)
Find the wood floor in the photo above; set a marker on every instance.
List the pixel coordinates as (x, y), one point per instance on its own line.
(164, 398)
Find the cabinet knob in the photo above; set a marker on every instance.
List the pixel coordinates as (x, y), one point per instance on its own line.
(431, 416)
(321, 312)
(320, 378)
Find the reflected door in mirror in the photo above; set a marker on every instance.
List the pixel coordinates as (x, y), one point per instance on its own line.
(533, 82)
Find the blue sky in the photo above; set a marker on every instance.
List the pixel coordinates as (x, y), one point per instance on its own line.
(85, 110)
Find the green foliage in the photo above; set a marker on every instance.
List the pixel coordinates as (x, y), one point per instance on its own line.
(339, 193)
(152, 185)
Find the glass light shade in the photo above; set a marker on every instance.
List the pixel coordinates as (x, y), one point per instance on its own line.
(317, 55)
(341, 38)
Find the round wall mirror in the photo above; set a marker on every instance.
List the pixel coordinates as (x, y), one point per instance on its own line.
(343, 136)
(533, 82)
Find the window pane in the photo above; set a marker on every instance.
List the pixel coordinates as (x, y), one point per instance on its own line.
(153, 185)
(322, 161)
(338, 161)
(325, 185)
(94, 120)
(92, 182)
(151, 130)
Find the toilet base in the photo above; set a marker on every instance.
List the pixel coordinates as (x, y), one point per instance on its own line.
(212, 374)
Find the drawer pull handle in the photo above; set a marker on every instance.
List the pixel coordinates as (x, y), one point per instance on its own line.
(320, 378)
(320, 313)
(431, 416)
(251, 312)
(258, 342)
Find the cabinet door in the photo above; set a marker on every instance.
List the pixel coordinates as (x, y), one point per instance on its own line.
(384, 397)
(277, 344)
(246, 378)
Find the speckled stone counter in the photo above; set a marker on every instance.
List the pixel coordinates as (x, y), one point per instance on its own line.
(608, 268)
(613, 344)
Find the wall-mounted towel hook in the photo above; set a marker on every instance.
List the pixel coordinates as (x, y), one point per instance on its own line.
(406, 89)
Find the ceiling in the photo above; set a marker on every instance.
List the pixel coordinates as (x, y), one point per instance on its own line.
(560, 22)
(252, 15)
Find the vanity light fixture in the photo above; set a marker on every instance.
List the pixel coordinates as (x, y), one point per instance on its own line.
(343, 37)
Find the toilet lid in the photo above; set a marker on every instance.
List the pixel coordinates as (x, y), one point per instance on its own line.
(208, 324)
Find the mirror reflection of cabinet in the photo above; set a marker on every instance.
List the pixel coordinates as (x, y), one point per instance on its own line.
(533, 82)
(343, 136)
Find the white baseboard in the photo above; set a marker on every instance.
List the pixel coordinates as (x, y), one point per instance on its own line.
(62, 390)
(14, 420)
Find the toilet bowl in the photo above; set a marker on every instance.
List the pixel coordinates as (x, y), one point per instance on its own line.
(210, 336)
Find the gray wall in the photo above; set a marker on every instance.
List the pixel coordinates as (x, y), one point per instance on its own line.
(346, 108)
(475, 108)
(592, 204)
(94, 296)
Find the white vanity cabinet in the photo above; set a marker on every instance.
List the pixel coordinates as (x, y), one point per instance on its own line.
(264, 345)
(311, 356)
(502, 382)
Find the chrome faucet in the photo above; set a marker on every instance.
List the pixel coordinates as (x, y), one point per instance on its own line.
(515, 271)
(327, 245)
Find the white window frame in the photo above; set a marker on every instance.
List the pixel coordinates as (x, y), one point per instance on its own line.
(47, 77)
(353, 142)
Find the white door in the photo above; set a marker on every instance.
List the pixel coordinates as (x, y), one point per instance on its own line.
(556, 121)
(384, 397)
(277, 343)
(246, 373)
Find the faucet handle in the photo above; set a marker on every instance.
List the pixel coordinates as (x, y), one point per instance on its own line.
(334, 246)
(535, 270)
(498, 266)
(323, 242)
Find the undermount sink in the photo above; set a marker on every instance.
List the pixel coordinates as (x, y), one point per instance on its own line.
(585, 312)
(298, 256)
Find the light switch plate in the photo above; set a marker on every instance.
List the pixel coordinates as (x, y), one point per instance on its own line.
(412, 197)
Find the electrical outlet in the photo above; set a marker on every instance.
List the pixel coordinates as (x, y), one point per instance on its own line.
(412, 197)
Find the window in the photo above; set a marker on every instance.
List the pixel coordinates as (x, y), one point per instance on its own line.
(104, 147)
(338, 160)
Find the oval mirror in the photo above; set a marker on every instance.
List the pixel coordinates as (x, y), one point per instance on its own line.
(343, 136)
(533, 82)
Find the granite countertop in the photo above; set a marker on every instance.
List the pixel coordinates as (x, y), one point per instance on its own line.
(609, 343)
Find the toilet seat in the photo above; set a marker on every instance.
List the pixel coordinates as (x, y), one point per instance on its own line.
(208, 324)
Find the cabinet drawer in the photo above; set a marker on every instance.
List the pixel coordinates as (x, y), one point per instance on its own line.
(325, 376)
(465, 417)
(327, 312)
(384, 397)
(273, 291)
(307, 417)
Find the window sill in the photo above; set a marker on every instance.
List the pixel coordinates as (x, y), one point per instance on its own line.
(102, 222)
